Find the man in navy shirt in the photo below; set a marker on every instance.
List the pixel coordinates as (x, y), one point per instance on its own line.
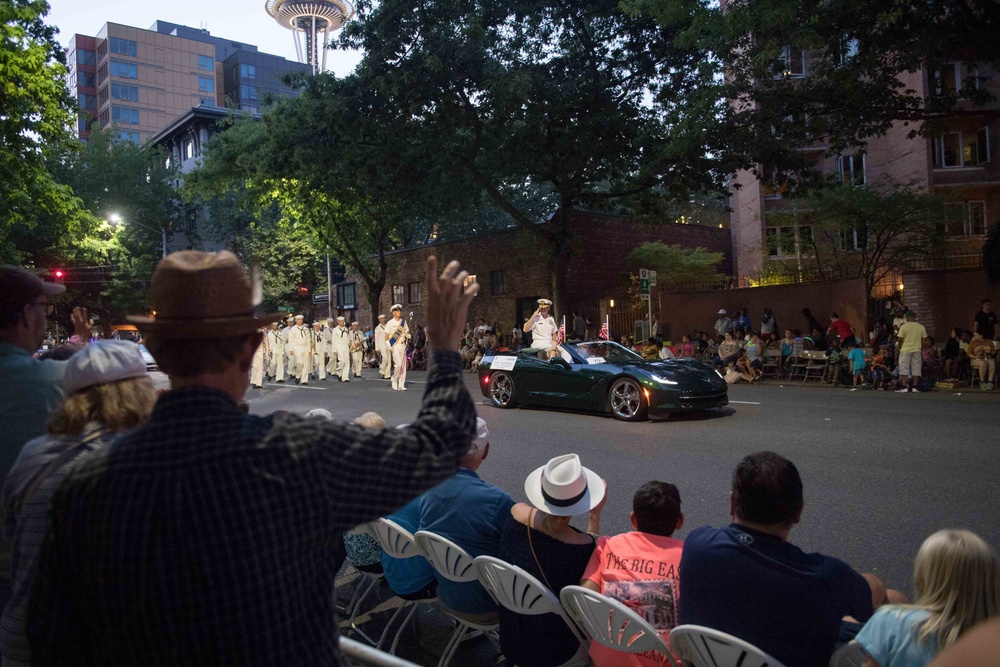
(747, 580)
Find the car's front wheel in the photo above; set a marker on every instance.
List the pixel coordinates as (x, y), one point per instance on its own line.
(626, 400)
(502, 390)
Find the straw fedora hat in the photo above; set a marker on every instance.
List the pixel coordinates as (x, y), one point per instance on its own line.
(204, 295)
(563, 487)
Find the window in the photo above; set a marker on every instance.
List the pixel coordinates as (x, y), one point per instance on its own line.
(129, 135)
(123, 47)
(848, 49)
(102, 51)
(470, 280)
(102, 73)
(853, 238)
(347, 296)
(206, 84)
(952, 78)
(124, 115)
(124, 70)
(105, 118)
(88, 102)
(781, 241)
(206, 63)
(413, 293)
(966, 219)
(852, 169)
(84, 123)
(961, 149)
(398, 294)
(86, 79)
(85, 57)
(793, 62)
(497, 283)
(187, 149)
(248, 71)
(125, 92)
(250, 93)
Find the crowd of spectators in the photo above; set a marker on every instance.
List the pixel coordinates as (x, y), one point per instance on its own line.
(179, 529)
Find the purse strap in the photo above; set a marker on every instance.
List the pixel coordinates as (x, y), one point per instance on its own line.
(531, 517)
(55, 464)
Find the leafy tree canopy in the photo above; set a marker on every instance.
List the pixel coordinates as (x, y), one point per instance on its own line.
(675, 264)
(35, 116)
(863, 67)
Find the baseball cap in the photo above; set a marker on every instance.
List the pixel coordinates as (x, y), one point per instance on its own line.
(19, 287)
(102, 362)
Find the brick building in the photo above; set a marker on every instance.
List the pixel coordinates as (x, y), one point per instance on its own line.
(513, 272)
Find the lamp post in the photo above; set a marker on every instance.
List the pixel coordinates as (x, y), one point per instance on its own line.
(114, 219)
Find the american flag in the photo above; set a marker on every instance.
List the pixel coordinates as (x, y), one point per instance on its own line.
(604, 333)
(561, 336)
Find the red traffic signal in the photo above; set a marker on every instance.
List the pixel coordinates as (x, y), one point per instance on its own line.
(303, 290)
(59, 274)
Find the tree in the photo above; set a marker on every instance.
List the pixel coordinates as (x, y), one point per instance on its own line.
(35, 115)
(841, 72)
(675, 264)
(874, 232)
(583, 101)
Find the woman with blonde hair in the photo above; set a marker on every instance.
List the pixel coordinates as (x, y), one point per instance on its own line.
(107, 391)
(957, 584)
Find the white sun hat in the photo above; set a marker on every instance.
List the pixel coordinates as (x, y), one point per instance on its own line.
(102, 362)
(563, 487)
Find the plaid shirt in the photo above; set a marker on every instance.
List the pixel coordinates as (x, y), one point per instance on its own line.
(207, 536)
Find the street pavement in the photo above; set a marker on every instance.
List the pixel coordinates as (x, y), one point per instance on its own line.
(881, 470)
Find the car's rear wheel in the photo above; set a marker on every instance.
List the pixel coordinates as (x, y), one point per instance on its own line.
(502, 391)
(626, 400)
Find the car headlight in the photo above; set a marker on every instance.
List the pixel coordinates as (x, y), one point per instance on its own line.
(663, 380)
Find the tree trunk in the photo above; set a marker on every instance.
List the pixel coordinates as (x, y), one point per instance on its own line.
(560, 252)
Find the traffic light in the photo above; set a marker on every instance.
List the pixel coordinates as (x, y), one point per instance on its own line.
(59, 275)
(303, 291)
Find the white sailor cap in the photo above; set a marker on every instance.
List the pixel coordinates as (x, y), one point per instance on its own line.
(290, 319)
(329, 319)
(354, 323)
(381, 316)
(544, 302)
(396, 306)
(300, 317)
(340, 318)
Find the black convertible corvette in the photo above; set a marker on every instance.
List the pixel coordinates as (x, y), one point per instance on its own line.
(604, 377)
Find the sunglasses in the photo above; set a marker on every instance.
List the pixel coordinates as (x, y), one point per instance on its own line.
(49, 307)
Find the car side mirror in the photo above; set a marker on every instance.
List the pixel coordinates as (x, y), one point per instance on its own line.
(559, 361)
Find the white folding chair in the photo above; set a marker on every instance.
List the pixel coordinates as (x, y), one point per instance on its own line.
(850, 654)
(611, 623)
(705, 647)
(522, 593)
(398, 543)
(455, 564)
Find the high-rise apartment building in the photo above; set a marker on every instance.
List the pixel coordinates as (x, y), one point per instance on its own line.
(139, 81)
(961, 163)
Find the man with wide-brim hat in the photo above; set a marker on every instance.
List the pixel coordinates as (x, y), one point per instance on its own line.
(208, 535)
(397, 333)
(542, 327)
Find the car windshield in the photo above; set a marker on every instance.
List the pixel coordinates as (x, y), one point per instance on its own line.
(613, 353)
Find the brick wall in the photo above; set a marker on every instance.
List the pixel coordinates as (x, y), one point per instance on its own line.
(685, 313)
(943, 300)
(598, 269)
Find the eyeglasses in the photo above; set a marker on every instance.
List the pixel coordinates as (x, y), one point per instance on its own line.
(49, 307)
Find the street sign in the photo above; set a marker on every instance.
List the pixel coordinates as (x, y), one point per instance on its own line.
(644, 286)
(652, 278)
(286, 309)
(644, 297)
(321, 298)
(643, 274)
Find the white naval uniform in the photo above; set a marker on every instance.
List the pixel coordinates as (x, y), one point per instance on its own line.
(303, 352)
(276, 367)
(342, 346)
(257, 366)
(398, 351)
(331, 353)
(291, 361)
(319, 354)
(385, 354)
(357, 351)
(543, 328)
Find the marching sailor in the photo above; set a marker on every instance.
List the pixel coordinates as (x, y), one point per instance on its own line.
(276, 345)
(382, 347)
(397, 333)
(319, 351)
(257, 366)
(331, 353)
(287, 339)
(342, 346)
(302, 349)
(357, 349)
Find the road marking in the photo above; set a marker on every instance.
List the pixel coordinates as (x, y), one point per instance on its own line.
(745, 402)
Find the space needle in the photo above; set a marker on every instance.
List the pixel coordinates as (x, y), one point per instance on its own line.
(311, 22)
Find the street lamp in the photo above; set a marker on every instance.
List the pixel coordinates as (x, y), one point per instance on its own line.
(114, 219)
